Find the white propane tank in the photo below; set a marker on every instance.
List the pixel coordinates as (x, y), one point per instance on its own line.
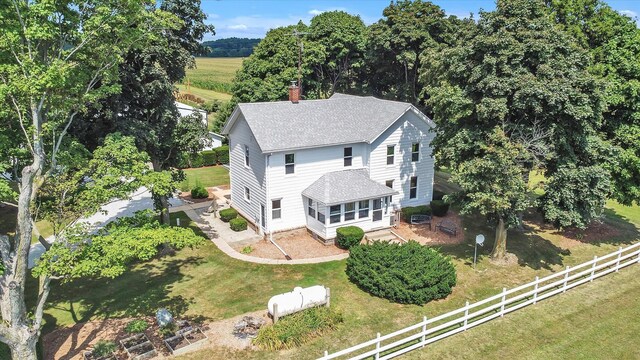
(296, 300)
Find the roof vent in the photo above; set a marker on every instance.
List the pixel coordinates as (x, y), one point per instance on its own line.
(294, 93)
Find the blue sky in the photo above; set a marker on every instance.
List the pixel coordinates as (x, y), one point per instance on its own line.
(253, 18)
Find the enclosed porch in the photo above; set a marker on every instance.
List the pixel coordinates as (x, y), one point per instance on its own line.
(347, 198)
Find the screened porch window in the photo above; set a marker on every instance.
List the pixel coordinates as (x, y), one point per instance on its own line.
(349, 211)
(312, 208)
(363, 209)
(377, 209)
(334, 214)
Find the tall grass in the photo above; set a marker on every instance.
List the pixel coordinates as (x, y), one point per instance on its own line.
(299, 328)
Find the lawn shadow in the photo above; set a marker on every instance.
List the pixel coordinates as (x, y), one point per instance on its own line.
(138, 293)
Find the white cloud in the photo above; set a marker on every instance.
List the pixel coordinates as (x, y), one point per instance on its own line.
(238, 27)
(629, 13)
(213, 16)
(315, 12)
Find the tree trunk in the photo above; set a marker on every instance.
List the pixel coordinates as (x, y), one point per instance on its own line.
(25, 349)
(163, 201)
(500, 244)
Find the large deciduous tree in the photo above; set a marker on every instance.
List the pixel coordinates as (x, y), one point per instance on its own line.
(516, 90)
(57, 59)
(145, 106)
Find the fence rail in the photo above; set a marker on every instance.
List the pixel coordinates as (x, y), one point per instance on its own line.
(471, 315)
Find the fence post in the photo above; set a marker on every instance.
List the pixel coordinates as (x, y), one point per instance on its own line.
(466, 316)
(566, 277)
(504, 299)
(619, 255)
(593, 268)
(535, 291)
(328, 298)
(326, 354)
(424, 330)
(378, 347)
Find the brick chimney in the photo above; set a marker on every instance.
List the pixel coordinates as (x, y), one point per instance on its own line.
(294, 93)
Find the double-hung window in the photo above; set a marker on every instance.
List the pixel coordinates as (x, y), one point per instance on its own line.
(321, 211)
(377, 209)
(276, 209)
(289, 163)
(334, 214)
(312, 208)
(348, 156)
(363, 209)
(413, 187)
(391, 150)
(247, 194)
(415, 152)
(246, 155)
(349, 211)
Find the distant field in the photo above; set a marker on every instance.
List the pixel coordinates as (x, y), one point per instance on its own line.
(211, 79)
(206, 95)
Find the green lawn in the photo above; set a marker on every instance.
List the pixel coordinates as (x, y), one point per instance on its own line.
(204, 283)
(8, 223)
(206, 176)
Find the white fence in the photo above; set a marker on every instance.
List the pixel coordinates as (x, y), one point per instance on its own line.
(431, 330)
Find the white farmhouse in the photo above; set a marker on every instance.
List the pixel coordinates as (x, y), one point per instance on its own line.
(324, 164)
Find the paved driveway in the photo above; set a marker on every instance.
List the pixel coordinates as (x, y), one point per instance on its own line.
(141, 200)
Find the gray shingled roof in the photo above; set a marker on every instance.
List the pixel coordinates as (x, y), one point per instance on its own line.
(346, 186)
(342, 119)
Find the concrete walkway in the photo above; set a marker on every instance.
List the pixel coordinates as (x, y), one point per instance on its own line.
(222, 236)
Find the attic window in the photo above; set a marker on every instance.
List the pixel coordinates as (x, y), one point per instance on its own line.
(415, 152)
(391, 149)
(246, 155)
(348, 156)
(289, 163)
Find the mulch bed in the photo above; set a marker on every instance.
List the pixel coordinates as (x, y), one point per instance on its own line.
(423, 235)
(297, 243)
(186, 195)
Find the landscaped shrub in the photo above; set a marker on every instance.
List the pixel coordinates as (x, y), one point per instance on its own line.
(209, 158)
(199, 192)
(222, 153)
(296, 329)
(439, 207)
(438, 195)
(415, 210)
(227, 215)
(407, 273)
(238, 224)
(197, 160)
(348, 236)
(104, 348)
(136, 326)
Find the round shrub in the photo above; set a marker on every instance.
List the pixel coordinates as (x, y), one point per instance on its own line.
(407, 273)
(407, 211)
(439, 207)
(136, 326)
(227, 215)
(349, 236)
(199, 192)
(238, 224)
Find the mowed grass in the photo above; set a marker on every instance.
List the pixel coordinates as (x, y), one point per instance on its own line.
(204, 94)
(206, 284)
(8, 219)
(207, 176)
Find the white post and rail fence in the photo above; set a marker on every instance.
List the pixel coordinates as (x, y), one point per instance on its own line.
(431, 330)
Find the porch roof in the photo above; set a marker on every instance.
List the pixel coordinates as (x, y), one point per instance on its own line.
(346, 186)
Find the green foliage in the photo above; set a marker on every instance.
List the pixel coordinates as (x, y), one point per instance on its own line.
(104, 348)
(136, 326)
(238, 224)
(348, 236)
(438, 195)
(407, 211)
(227, 215)
(439, 207)
(168, 330)
(199, 192)
(231, 47)
(209, 157)
(563, 206)
(299, 328)
(407, 273)
(113, 249)
(222, 154)
(247, 250)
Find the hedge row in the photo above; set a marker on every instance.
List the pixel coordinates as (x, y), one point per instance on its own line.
(415, 210)
(216, 156)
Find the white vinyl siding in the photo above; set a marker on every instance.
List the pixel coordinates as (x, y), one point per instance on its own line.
(252, 177)
(406, 132)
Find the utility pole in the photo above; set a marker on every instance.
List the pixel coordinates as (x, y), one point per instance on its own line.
(297, 34)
